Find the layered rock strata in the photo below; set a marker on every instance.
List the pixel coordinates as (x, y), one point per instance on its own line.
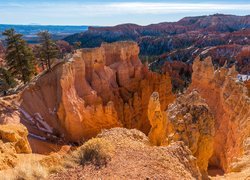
(157, 119)
(190, 120)
(228, 101)
(98, 88)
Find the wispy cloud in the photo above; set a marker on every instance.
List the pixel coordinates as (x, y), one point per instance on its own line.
(72, 10)
(161, 8)
(126, 7)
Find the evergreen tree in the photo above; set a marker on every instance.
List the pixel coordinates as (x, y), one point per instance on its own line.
(48, 49)
(39, 57)
(6, 80)
(77, 45)
(19, 56)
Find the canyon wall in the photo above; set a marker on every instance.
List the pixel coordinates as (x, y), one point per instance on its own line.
(230, 104)
(189, 119)
(98, 88)
(8, 110)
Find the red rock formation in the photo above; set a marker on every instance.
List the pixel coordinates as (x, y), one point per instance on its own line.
(98, 88)
(157, 117)
(243, 58)
(189, 119)
(179, 72)
(9, 111)
(228, 101)
(247, 83)
(156, 39)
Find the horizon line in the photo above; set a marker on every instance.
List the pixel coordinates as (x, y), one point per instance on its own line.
(79, 25)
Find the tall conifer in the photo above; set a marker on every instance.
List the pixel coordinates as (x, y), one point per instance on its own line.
(19, 56)
(48, 48)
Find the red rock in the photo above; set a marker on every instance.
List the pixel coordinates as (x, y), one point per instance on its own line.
(98, 88)
(228, 101)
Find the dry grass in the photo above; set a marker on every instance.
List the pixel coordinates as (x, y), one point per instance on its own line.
(28, 171)
(96, 151)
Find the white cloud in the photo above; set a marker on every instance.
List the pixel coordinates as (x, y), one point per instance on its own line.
(110, 13)
(127, 8)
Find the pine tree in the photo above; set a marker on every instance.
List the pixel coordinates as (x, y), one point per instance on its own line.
(39, 57)
(48, 49)
(6, 80)
(19, 56)
(77, 45)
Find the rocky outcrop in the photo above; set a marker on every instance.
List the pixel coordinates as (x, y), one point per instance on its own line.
(16, 135)
(13, 141)
(178, 63)
(134, 158)
(157, 119)
(98, 88)
(190, 120)
(228, 101)
(8, 110)
(179, 72)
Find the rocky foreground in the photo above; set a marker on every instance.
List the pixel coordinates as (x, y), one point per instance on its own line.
(196, 135)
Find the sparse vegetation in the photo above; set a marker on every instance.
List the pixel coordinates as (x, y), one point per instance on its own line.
(77, 45)
(6, 80)
(96, 151)
(28, 171)
(64, 48)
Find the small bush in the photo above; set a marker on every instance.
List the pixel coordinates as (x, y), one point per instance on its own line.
(28, 171)
(96, 151)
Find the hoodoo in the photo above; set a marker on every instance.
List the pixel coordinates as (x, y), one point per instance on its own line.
(189, 119)
(97, 88)
(229, 102)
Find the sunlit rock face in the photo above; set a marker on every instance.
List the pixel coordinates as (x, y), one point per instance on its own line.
(228, 101)
(157, 119)
(13, 141)
(8, 110)
(189, 119)
(98, 88)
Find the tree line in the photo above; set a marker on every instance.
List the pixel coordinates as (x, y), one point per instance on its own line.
(22, 60)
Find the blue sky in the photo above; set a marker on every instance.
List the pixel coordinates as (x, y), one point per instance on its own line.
(112, 12)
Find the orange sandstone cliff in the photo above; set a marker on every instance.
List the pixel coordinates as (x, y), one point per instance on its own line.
(189, 119)
(228, 101)
(98, 88)
(157, 117)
